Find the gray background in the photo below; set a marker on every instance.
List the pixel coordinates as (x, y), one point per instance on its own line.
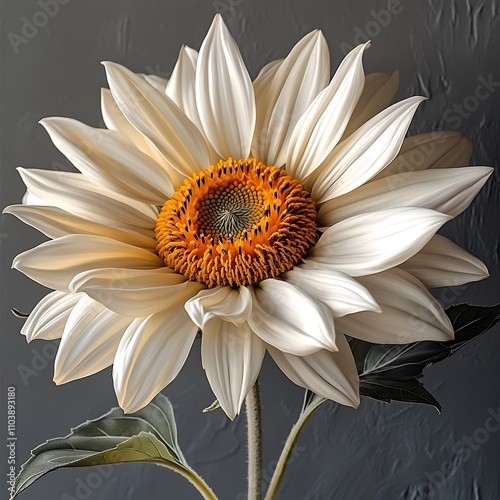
(380, 451)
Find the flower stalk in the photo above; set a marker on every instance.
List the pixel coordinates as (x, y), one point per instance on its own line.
(253, 412)
(310, 406)
(196, 480)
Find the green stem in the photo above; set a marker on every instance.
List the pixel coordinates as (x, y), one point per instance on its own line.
(252, 403)
(196, 480)
(286, 453)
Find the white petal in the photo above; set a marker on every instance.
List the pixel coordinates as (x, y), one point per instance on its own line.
(30, 199)
(181, 89)
(225, 303)
(232, 356)
(373, 242)
(263, 88)
(89, 342)
(181, 86)
(133, 292)
(150, 355)
(76, 194)
(110, 160)
(449, 191)
(55, 263)
(114, 120)
(321, 126)
(54, 223)
(365, 153)
(263, 82)
(158, 118)
(443, 263)
(438, 149)
(49, 316)
(409, 312)
(288, 319)
(303, 74)
(157, 82)
(224, 93)
(331, 375)
(342, 294)
(378, 92)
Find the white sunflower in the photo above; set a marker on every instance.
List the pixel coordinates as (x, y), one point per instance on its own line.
(276, 216)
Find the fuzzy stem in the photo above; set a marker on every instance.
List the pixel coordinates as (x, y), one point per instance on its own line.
(286, 453)
(252, 403)
(196, 480)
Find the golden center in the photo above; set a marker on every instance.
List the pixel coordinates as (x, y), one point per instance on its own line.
(236, 223)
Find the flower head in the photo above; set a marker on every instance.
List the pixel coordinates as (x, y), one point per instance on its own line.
(279, 215)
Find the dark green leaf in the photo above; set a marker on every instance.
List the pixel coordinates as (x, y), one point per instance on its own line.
(19, 314)
(214, 406)
(391, 372)
(149, 435)
(398, 390)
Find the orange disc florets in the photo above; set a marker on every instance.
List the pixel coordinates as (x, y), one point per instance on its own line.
(236, 223)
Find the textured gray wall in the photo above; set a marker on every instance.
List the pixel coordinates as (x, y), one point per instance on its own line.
(378, 452)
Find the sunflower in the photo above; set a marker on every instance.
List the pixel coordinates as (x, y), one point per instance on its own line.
(281, 215)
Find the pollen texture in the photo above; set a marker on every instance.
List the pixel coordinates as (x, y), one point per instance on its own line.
(236, 223)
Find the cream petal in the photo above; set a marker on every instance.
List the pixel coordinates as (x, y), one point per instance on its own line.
(409, 312)
(263, 83)
(373, 242)
(158, 118)
(378, 92)
(30, 199)
(181, 89)
(224, 94)
(89, 341)
(365, 153)
(114, 120)
(263, 87)
(438, 149)
(288, 319)
(150, 355)
(449, 191)
(55, 223)
(321, 126)
(232, 356)
(225, 303)
(47, 320)
(107, 158)
(341, 293)
(443, 263)
(55, 263)
(76, 194)
(303, 74)
(157, 82)
(331, 375)
(135, 292)
(181, 86)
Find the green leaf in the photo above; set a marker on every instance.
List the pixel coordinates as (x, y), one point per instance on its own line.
(19, 314)
(398, 390)
(390, 372)
(214, 406)
(149, 435)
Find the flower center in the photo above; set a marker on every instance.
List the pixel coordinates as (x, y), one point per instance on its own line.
(236, 223)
